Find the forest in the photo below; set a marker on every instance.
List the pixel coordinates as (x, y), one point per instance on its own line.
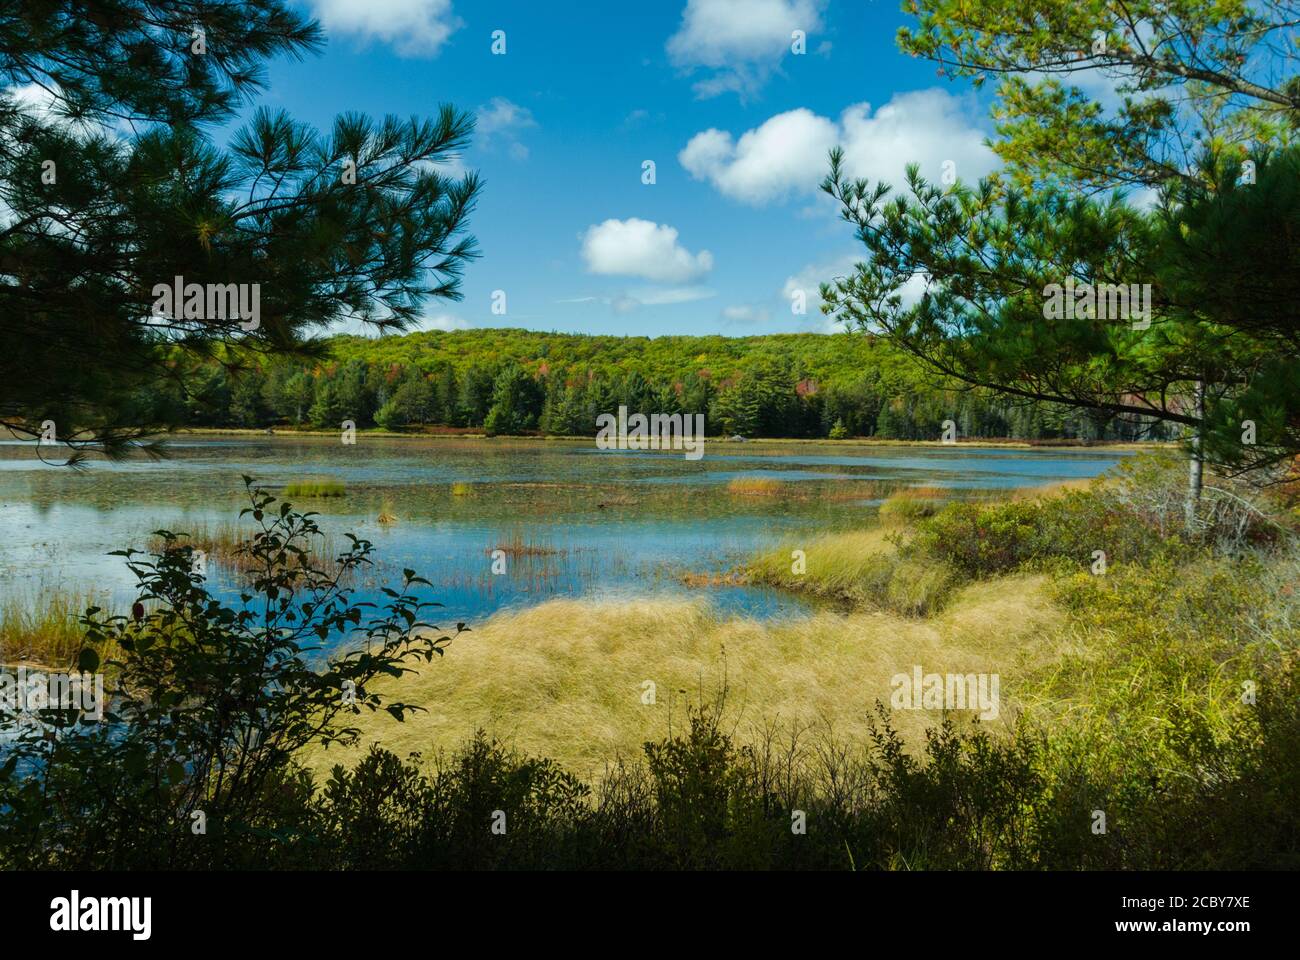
(513, 381)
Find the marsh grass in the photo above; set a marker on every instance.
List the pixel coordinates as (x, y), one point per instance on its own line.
(913, 503)
(803, 489)
(860, 569)
(565, 679)
(43, 627)
(758, 487)
(518, 545)
(312, 489)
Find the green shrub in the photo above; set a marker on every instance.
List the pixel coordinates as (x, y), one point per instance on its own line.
(210, 704)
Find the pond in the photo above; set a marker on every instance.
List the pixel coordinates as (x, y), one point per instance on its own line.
(570, 519)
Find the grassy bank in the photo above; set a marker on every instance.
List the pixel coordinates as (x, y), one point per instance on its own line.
(43, 627)
(568, 679)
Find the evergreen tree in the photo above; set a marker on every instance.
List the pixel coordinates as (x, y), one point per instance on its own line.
(129, 179)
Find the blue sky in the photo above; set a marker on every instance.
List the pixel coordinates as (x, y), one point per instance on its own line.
(736, 123)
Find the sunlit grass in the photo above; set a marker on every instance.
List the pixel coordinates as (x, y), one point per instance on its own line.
(315, 488)
(567, 679)
(857, 567)
(912, 503)
(802, 489)
(42, 626)
(757, 487)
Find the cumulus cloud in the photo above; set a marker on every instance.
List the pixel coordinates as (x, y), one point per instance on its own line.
(745, 313)
(808, 281)
(642, 248)
(786, 155)
(413, 27)
(741, 42)
(501, 121)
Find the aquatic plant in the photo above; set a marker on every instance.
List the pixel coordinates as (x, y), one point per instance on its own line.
(315, 488)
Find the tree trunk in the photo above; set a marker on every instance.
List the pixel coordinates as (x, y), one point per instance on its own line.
(1196, 465)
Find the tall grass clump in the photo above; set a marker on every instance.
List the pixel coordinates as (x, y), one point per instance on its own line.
(757, 487)
(859, 568)
(315, 488)
(909, 505)
(44, 627)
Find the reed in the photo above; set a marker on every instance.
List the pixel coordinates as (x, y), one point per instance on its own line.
(43, 627)
(758, 487)
(517, 545)
(315, 488)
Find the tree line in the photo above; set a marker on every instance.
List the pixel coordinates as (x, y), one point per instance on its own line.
(509, 381)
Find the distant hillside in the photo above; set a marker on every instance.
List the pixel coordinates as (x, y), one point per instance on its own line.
(518, 381)
(821, 356)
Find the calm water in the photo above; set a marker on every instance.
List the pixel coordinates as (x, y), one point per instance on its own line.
(615, 522)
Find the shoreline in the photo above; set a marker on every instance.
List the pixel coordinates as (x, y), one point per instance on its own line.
(998, 442)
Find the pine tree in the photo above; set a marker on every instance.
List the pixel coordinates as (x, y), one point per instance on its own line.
(355, 222)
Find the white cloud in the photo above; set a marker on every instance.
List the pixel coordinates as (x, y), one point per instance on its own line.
(442, 321)
(642, 248)
(413, 27)
(659, 296)
(809, 281)
(627, 301)
(745, 313)
(500, 120)
(787, 153)
(47, 105)
(741, 41)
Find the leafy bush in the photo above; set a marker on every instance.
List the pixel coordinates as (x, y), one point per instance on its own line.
(981, 540)
(970, 801)
(193, 762)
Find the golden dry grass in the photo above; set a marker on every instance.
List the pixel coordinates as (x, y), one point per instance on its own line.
(565, 679)
(42, 628)
(845, 564)
(757, 487)
(912, 503)
(802, 489)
